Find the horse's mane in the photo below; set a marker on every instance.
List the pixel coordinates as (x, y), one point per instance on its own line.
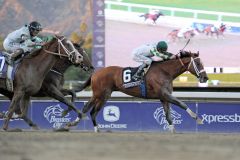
(185, 54)
(37, 51)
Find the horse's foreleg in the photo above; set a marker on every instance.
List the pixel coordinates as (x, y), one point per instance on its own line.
(24, 108)
(30, 122)
(13, 105)
(166, 108)
(182, 105)
(85, 109)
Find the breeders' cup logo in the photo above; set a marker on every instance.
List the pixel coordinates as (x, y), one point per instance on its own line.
(111, 113)
(54, 115)
(160, 117)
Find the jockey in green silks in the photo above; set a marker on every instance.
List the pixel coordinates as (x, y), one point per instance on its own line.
(145, 53)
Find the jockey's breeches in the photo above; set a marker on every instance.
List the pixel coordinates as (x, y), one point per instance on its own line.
(12, 47)
(142, 59)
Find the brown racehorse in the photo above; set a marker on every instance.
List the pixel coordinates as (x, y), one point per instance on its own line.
(173, 35)
(34, 68)
(152, 17)
(159, 85)
(53, 85)
(210, 30)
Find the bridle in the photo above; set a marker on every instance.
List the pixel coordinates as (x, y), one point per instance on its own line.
(69, 54)
(192, 62)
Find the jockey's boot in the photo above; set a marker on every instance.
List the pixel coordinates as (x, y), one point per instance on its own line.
(139, 73)
(15, 55)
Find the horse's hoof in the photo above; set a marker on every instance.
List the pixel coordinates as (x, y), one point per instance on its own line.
(199, 121)
(96, 130)
(2, 115)
(64, 113)
(85, 117)
(71, 124)
(172, 129)
(14, 130)
(64, 129)
(35, 128)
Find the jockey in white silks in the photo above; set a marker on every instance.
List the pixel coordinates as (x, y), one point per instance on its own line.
(182, 31)
(146, 53)
(214, 28)
(23, 40)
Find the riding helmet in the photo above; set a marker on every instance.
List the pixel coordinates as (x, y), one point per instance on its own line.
(162, 46)
(35, 26)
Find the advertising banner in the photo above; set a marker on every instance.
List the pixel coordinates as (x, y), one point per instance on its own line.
(143, 116)
(219, 117)
(133, 116)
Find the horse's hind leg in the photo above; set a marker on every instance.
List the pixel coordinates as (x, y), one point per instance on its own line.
(88, 106)
(66, 92)
(99, 102)
(166, 108)
(93, 114)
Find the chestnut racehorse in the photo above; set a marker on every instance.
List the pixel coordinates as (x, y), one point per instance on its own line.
(173, 35)
(152, 17)
(211, 30)
(159, 85)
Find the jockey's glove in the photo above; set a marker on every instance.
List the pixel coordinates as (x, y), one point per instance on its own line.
(36, 44)
(182, 53)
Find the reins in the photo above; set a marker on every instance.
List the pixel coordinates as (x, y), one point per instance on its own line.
(195, 66)
(192, 62)
(69, 53)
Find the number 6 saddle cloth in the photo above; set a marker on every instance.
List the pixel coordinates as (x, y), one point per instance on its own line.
(129, 82)
(7, 71)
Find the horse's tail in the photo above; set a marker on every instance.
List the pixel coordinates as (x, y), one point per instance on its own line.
(84, 85)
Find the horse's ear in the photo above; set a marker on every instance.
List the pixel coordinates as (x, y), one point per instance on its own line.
(196, 54)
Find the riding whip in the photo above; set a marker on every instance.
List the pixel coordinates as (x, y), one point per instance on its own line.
(186, 44)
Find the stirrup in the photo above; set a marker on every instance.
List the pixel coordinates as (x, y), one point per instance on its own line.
(136, 77)
(10, 61)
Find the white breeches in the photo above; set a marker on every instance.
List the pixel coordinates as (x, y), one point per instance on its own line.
(142, 59)
(12, 47)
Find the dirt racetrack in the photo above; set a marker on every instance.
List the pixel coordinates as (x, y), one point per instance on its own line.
(122, 38)
(117, 146)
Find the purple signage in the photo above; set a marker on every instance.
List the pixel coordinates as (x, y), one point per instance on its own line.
(134, 116)
(143, 116)
(48, 115)
(98, 53)
(219, 117)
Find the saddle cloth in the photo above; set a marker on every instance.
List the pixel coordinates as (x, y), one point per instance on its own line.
(7, 71)
(128, 82)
